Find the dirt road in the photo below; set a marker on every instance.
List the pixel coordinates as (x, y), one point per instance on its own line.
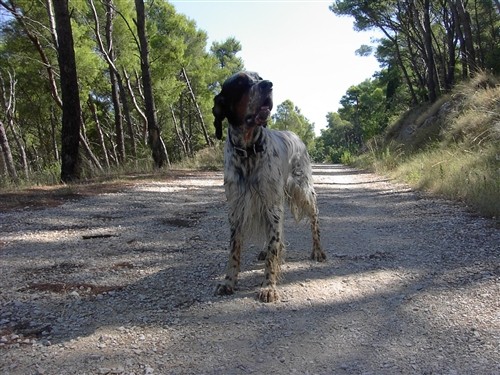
(123, 282)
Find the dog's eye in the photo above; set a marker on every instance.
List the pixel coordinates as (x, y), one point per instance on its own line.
(248, 119)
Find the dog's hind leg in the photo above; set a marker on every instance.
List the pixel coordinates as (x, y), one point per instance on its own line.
(302, 200)
(317, 253)
(233, 264)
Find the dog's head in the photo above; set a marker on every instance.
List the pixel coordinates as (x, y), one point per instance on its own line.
(245, 100)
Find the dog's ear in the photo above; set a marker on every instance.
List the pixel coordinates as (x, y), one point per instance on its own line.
(219, 114)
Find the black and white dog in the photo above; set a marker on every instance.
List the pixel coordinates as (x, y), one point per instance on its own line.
(262, 169)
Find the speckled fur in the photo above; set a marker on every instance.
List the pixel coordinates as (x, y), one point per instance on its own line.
(257, 187)
(256, 190)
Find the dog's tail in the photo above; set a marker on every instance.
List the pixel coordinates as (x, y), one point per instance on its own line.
(302, 201)
(300, 191)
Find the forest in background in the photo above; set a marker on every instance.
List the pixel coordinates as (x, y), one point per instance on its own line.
(146, 95)
(428, 48)
(114, 127)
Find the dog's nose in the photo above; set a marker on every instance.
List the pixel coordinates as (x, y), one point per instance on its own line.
(266, 85)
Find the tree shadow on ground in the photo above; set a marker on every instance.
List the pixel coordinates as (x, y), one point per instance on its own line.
(374, 306)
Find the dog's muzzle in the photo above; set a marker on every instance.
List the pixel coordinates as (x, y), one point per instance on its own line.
(262, 116)
(262, 111)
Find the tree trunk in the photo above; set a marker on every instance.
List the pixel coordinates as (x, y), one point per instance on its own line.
(185, 135)
(430, 62)
(465, 20)
(126, 113)
(144, 129)
(53, 127)
(395, 41)
(87, 149)
(7, 155)
(3, 165)
(52, 22)
(465, 35)
(479, 40)
(111, 150)
(451, 44)
(114, 76)
(99, 130)
(181, 139)
(120, 139)
(22, 150)
(9, 106)
(71, 111)
(159, 152)
(208, 140)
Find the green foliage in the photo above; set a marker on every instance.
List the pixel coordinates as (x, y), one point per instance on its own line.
(289, 117)
(452, 40)
(338, 137)
(364, 113)
(184, 71)
(226, 60)
(347, 157)
(365, 106)
(90, 65)
(225, 53)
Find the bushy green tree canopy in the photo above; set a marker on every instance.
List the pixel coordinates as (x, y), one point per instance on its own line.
(289, 117)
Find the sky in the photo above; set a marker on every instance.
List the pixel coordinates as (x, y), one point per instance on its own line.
(301, 46)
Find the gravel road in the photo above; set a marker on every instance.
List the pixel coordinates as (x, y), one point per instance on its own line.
(123, 283)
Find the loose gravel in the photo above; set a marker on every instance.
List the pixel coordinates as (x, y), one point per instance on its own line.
(123, 283)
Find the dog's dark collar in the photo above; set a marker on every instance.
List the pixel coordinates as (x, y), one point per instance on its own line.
(254, 149)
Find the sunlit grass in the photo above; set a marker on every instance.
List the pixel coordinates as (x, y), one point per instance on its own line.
(458, 174)
(455, 153)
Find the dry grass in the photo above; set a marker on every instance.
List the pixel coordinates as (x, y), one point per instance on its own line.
(458, 174)
(451, 149)
(207, 159)
(478, 120)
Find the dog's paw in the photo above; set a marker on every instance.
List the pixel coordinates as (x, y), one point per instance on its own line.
(318, 255)
(224, 290)
(268, 295)
(262, 255)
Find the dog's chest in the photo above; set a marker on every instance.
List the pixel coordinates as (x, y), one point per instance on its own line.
(257, 175)
(245, 171)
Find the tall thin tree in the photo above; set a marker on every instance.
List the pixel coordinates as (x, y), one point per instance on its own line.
(71, 110)
(7, 155)
(154, 137)
(109, 54)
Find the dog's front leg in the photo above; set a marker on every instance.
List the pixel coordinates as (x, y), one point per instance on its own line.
(233, 264)
(274, 254)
